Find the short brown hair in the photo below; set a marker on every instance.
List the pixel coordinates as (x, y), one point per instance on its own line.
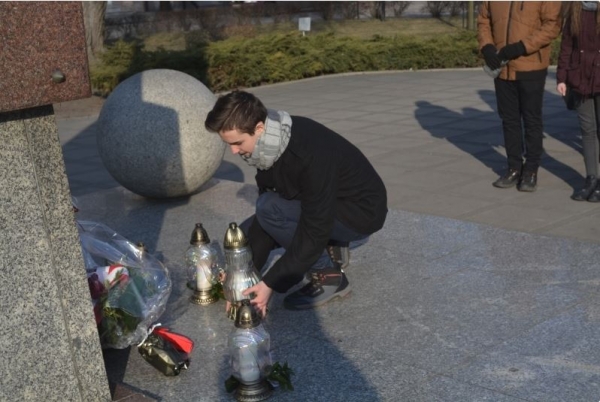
(237, 110)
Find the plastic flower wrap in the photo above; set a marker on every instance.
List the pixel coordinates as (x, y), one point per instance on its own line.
(129, 287)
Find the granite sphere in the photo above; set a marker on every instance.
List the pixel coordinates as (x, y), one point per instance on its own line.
(151, 136)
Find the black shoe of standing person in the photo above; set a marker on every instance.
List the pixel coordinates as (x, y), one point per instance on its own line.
(587, 190)
(595, 196)
(510, 179)
(528, 182)
(325, 285)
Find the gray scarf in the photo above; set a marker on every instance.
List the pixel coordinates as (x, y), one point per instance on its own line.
(589, 5)
(271, 144)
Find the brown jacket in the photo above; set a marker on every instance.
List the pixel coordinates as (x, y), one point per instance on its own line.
(535, 23)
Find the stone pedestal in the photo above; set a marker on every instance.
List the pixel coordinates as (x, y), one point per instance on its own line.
(49, 344)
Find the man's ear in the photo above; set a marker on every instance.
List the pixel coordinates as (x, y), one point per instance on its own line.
(259, 128)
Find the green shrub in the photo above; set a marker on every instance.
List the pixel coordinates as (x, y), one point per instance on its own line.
(555, 51)
(282, 57)
(270, 58)
(113, 67)
(124, 59)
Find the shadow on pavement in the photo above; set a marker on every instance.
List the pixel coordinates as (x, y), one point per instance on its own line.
(486, 144)
(229, 171)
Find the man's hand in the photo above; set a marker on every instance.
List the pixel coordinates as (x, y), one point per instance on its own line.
(490, 55)
(262, 295)
(562, 88)
(512, 51)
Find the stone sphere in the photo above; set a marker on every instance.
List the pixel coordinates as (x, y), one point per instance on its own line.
(151, 134)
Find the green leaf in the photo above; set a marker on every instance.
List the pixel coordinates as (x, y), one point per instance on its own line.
(131, 299)
(277, 373)
(217, 291)
(282, 375)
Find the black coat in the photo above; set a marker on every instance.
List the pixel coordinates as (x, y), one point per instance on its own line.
(332, 179)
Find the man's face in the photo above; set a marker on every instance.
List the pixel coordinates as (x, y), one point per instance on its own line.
(241, 143)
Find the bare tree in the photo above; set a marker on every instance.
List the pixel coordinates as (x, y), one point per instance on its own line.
(326, 8)
(349, 10)
(456, 7)
(164, 6)
(436, 8)
(93, 17)
(380, 10)
(399, 7)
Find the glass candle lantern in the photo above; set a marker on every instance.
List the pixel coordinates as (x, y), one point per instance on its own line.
(201, 261)
(250, 355)
(240, 273)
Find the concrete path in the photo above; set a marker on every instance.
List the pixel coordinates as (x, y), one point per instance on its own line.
(469, 293)
(434, 136)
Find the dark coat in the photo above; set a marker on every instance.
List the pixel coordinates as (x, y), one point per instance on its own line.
(579, 58)
(332, 179)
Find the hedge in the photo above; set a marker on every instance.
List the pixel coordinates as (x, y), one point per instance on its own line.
(239, 62)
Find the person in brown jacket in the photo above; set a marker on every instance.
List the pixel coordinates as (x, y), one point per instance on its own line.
(577, 64)
(515, 37)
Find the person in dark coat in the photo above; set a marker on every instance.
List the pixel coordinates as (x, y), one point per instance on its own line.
(578, 62)
(317, 192)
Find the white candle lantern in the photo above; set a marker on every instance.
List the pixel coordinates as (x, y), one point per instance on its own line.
(239, 269)
(250, 355)
(201, 263)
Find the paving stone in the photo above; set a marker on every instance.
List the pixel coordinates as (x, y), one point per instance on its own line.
(499, 306)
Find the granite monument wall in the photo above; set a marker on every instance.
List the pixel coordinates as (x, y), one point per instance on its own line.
(48, 339)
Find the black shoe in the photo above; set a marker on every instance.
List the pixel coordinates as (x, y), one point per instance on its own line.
(325, 285)
(511, 178)
(595, 196)
(587, 190)
(528, 182)
(339, 253)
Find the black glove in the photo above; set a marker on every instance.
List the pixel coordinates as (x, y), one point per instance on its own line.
(491, 56)
(512, 51)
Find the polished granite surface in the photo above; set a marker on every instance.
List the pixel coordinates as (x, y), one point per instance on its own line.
(48, 338)
(440, 310)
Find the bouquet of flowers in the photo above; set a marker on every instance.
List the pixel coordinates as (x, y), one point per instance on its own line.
(129, 287)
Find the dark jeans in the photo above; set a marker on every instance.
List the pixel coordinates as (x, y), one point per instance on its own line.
(588, 112)
(279, 218)
(521, 101)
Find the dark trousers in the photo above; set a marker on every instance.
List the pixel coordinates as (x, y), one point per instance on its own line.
(588, 112)
(520, 106)
(279, 218)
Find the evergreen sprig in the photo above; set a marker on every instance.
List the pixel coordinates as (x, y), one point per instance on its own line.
(282, 375)
(277, 373)
(217, 291)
